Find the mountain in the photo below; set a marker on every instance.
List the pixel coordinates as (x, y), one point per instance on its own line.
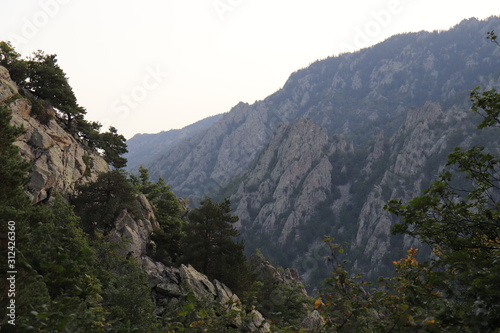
(322, 156)
(145, 148)
(109, 278)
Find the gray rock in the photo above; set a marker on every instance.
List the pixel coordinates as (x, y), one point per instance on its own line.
(313, 321)
(197, 282)
(59, 161)
(258, 323)
(169, 289)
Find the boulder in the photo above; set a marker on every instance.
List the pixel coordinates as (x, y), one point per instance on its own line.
(313, 321)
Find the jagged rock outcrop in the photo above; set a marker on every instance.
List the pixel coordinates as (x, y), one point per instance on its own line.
(417, 151)
(285, 292)
(170, 285)
(135, 233)
(265, 271)
(146, 148)
(59, 161)
(384, 120)
(313, 322)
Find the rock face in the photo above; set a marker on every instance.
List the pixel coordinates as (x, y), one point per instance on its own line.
(170, 285)
(59, 161)
(145, 148)
(264, 271)
(135, 234)
(280, 194)
(324, 154)
(313, 322)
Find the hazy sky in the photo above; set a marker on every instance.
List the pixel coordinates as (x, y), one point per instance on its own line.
(152, 65)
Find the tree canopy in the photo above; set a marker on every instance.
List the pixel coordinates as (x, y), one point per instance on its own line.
(99, 203)
(168, 212)
(458, 216)
(210, 244)
(13, 168)
(46, 84)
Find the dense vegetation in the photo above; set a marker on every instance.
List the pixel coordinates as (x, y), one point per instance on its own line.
(73, 279)
(70, 278)
(45, 84)
(458, 216)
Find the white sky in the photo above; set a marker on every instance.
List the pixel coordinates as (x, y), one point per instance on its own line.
(152, 65)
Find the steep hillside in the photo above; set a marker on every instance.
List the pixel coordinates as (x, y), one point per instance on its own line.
(145, 148)
(59, 161)
(356, 94)
(82, 271)
(322, 155)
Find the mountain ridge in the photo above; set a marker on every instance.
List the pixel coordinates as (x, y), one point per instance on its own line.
(383, 104)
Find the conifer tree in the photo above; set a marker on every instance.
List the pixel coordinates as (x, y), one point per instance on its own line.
(99, 203)
(210, 244)
(49, 82)
(114, 145)
(168, 212)
(13, 168)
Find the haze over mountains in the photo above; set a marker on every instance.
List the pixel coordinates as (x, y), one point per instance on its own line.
(322, 156)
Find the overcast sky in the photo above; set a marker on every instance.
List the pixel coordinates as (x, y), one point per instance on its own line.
(152, 65)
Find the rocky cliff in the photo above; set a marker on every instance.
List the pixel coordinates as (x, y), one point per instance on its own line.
(325, 153)
(356, 94)
(145, 148)
(59, 161)
(170, 286)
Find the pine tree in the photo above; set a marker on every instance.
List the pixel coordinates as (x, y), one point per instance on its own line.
(210, 244)
(99, 203)
(13, 168)
(113, 145)
(49, 82)
(168, 212)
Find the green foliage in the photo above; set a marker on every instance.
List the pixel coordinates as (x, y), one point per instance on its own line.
(99, 203)
(193, 315)
(125, 291)
(88, 132)
(492, 37)
(45, 84)
(13, 169)
(65, 282)
(407, 302)
(281, 302)
(72, 284)
(59, 291)
(459, 216)
(49, 82)
(168, 212)
(114, 145)
(487, 104)
(10, 59)
(210, 247)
